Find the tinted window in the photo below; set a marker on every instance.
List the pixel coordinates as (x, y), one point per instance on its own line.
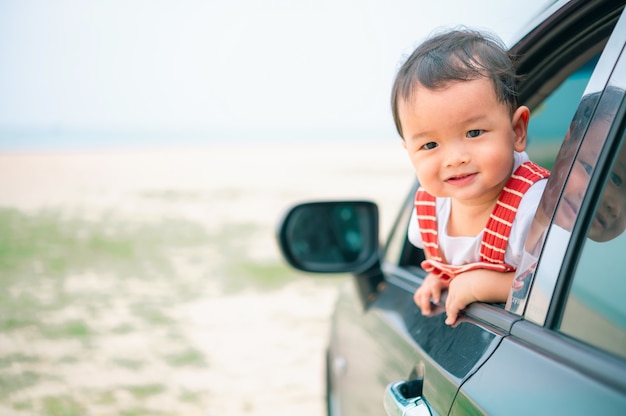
(398, 250)
(595, 309)
(561, 201)
(550, 120)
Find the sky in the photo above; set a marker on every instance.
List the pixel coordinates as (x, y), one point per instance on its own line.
(245, 68)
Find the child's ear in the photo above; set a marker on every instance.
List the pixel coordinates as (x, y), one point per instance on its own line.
(520, 127)
(403, 144)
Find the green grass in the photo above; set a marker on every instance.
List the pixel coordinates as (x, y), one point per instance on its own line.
(48, 243)
(11, 382)
(189, 357)
(187, 396)
(152, 314)
(140, 411)
(137, 271)
(106, 397)
(17, 312)
(130, 364)
(71, 329)
(23, 405)
(20, 358)
(51, 245)
(260, 276)
(146, 390)
(62, 406)
(124, 328)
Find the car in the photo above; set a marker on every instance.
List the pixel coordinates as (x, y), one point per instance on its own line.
(558, 345)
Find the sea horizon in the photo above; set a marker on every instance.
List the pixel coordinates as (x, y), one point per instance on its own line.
(27, 139)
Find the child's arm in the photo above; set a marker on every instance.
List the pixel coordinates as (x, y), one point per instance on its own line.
(479, 285)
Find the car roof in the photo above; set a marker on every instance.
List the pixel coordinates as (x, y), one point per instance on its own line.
(554, 12)
(561, 37)
(548, 8)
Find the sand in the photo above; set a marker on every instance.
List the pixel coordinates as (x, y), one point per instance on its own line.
(262, 348)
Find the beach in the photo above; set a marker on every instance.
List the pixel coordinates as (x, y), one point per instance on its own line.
(150, 282)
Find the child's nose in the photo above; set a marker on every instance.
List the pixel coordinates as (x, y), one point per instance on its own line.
(612, 203)
(457, 156)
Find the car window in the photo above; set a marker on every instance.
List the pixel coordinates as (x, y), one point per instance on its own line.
(595, 311)
(550, 119)
(398, 250)
(560, 204)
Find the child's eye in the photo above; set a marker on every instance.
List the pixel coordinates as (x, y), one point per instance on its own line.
(429, 146)
(474, 133)
(588, 168)
(616, 179)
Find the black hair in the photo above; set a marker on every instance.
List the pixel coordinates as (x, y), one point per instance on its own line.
(605, 110)
(456, 55)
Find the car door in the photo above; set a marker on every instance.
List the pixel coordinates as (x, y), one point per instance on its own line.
(391, 341)
(567, 355)
(383, 343)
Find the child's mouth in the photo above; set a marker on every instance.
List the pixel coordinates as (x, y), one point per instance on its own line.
(570, 209)
(600, 221)
(461, 179)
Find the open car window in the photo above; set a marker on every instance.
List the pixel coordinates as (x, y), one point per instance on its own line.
(550, 120)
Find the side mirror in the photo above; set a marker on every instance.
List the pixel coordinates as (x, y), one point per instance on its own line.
(331, 236)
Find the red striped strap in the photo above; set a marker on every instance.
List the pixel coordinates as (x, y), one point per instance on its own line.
(498, 228)
(426, 211)
(496, 233)
(447, 272)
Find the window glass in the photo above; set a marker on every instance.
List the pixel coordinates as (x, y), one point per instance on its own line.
(595, 309)
(550, 120)
(397, 243)
(566, 189)
(570, 122)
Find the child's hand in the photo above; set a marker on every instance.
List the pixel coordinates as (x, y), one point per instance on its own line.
(431, 288)
(460, 294)
(479, 285)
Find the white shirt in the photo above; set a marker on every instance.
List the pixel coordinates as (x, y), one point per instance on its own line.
(463, 250)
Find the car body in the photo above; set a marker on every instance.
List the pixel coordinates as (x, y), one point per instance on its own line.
(558, 346)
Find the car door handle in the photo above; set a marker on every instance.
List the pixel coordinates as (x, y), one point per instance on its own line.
(404, 398)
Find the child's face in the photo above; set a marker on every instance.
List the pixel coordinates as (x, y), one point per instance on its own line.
(610, 219)
(461, 139)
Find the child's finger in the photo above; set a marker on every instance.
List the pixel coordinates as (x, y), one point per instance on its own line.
(454, 305)
(451, 317)
(435, 294)
(422, 299)
(452, 309)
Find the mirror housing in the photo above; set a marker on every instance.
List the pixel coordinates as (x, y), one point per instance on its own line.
(330, 236)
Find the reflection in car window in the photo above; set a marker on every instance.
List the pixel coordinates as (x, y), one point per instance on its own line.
(592, 121)
(578, 178)
(595, 311)
(573, 131)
